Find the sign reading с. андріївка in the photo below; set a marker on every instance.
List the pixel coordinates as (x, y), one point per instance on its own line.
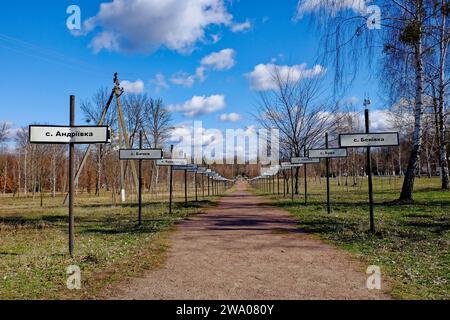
(67, 134)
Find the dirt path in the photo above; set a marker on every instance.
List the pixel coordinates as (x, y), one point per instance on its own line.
(246, 249)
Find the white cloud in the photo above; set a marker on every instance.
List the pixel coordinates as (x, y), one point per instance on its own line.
(159, 82)
(199, 105)
(218, 61)
(200, 73)
(241, 27)
(380, 120)
(146, 25)
(222, 60)
(353, 100)
(332, 6)
(230, 117)
(136, 87)
(263, 77)
(183, 79)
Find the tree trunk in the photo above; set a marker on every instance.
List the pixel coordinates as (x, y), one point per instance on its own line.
(408, 183)
(25, 187)
(54, 173)
(442, 147)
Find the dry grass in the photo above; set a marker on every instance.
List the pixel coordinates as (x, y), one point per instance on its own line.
(109, 245)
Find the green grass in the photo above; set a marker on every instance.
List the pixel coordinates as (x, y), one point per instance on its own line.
(108, 247)
(411, 244)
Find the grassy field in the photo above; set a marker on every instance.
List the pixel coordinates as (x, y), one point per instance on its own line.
(109, 246)
(411, 244)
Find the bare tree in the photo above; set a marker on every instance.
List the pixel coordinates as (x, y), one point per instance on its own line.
(298, 108)
(157, 122)
(4, 132)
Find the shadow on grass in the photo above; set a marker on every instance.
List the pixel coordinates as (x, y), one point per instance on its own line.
(123, 230)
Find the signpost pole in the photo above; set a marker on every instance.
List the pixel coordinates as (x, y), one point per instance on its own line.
(71, 181)
(185, 188)
(278, 182)
(171, 183)
(369, 172)
(203, 186)
(306, 178)
(140, 181)
(292, 183)
(273, 184)
(196, 190)
(328, 176)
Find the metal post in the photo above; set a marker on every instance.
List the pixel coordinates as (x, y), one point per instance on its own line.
(306, 177)
(203, 186)
(185, 188)
(278, 182)
(369, 172)
(209, 191)
(292, 183)
(171, 183)
(140, 181)
(273, 184)
(328, 176)
(196, 190)
(71, 181)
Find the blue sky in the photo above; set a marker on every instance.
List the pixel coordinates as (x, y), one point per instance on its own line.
(42, 62)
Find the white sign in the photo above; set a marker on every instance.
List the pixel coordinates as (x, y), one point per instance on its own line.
(369, 140)
(328, 153)
(149, 154)
(66, 134)
(304, 160)
(172, 162)
(288, 165)
(191, 168)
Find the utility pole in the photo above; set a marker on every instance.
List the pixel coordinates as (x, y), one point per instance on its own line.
(118, 91)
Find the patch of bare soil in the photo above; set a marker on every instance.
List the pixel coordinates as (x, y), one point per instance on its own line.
(247, 249)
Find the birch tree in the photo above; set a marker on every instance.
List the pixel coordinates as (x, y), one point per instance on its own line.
(353, 33)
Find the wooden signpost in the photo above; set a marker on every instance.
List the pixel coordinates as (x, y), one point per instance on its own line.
(70, 135)
(171, 163)
(369, 140)
(140, 155)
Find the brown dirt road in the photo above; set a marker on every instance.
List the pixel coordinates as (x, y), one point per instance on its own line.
(247, 249)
